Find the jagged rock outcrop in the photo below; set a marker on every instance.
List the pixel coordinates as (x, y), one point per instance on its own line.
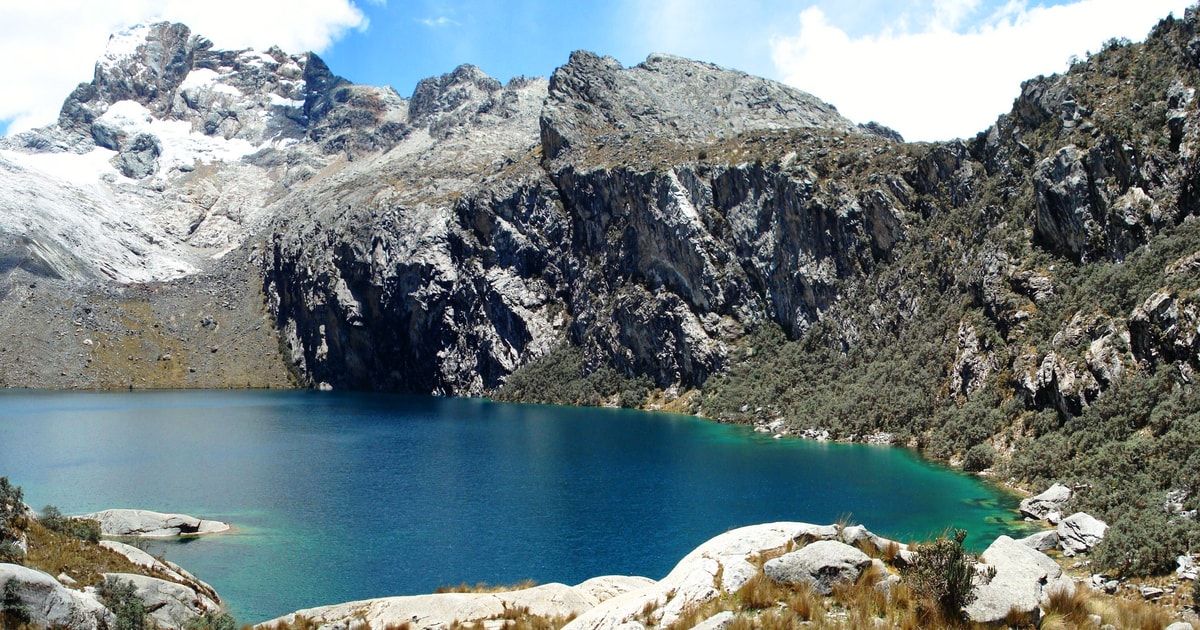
(651, 272)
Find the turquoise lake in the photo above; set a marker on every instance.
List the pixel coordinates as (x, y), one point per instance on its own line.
(343, 496)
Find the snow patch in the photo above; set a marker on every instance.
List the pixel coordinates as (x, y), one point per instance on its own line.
(199, 78)
(208, 79)
(180, 144)
(80, 170)
(285, 102)
(124, 44)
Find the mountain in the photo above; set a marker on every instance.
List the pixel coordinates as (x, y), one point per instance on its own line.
(672, 234)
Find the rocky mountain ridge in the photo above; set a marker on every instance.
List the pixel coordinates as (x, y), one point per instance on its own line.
(671, 234)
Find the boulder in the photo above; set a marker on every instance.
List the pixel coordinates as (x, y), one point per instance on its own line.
(161, 567)
(441, 610)
(721, 565)
(821, 564)
(139, 159)
(1022, 574)
(1186, 568)
(719, 621)
(146, 523)
(1042, 541)
(1080, 532)
(858, 536)
(1052, 500)
(46, 603)
(169, 604)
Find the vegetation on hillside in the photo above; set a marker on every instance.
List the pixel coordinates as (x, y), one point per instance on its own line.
(976, 279)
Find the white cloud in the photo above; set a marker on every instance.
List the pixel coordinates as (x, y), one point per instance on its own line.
(941, 80)
(52, 45)
(438, 22)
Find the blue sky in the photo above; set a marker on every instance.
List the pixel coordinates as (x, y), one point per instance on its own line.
(932, 69)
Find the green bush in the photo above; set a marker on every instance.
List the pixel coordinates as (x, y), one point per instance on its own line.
(84, 529)
(942, 574)
(1144, 543)
(980, 457)
(12, 503)
(12, 520)
(211, 621)
(129, 611)
(13, 613)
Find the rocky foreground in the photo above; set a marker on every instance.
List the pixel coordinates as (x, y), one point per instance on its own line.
(100, 584)
(712, 587)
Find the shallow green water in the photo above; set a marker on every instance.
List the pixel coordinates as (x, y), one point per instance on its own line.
(343, 496)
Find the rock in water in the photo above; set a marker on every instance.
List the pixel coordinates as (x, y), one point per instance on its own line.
(821, 564)
(122, 522)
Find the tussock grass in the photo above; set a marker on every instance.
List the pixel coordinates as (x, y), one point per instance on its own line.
(1131, 614)
(484, 587)
(1070, 604)
(85, 562)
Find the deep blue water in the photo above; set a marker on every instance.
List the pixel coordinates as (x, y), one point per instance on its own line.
(340, 496)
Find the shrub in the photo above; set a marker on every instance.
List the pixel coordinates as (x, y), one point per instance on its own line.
(980, 457)
(83, 529)
(1144, 542)
(211, 621)
(12, 610)
(941, 575)
(120, 597)
(12, 500)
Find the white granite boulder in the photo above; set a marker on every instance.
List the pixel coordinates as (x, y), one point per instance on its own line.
(1080, 532)
(169, 604)
(48, 604)
(440, 610)
(821, 564)
(147, 523)
(1052, 500)
(1022, 575)
(722, 564)
(1042, 541)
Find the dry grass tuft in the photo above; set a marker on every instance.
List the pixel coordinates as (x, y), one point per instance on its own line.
(1132, 614)
(760, 592)
(85, 562)
(1071, 604)
(484, 587)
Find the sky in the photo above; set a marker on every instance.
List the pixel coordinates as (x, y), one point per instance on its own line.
(931, 69)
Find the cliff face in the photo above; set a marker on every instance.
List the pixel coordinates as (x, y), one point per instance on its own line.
(654, 218)
(595, 219)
